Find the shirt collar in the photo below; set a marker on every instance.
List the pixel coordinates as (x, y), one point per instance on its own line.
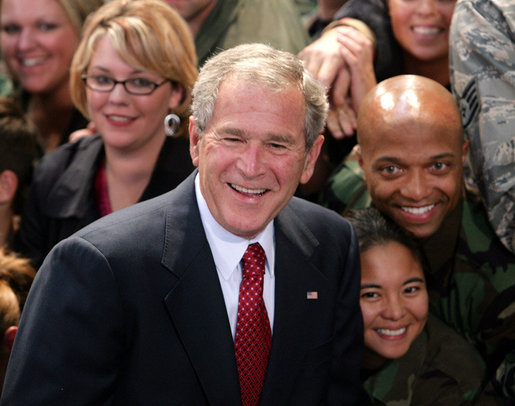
(228, 249)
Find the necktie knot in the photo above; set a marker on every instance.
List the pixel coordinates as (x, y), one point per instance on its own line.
(253, 261)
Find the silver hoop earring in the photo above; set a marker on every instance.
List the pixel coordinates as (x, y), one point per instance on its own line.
(172, 122)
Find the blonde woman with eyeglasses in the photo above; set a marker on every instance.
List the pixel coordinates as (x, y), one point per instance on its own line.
(131, 76)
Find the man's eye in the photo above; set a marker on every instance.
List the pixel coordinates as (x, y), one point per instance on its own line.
(232, 139)
(440, 166)
(390, 170)
(11, 28)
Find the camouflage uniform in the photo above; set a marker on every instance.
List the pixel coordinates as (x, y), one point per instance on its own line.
(234, 22)
(6, 85)
(471, 279)
(440, 368)
(482, 63)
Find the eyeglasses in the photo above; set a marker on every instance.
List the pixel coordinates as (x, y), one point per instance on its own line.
(136, 86)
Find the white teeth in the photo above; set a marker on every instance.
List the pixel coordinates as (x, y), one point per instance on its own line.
(426, 30)
(242, 189)
(387, 332)
(32, 61)
(119, 118)
(417, 210)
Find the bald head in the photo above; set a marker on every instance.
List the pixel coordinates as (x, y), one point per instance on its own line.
(406, 102)
(411, 150)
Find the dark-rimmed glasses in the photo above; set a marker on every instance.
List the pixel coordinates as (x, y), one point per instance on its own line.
(136, 86)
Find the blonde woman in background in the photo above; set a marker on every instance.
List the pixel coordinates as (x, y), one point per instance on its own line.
(135, 65)
(38, 40)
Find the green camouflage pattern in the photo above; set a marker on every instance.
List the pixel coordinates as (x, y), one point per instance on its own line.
(471, 280)
(6, 85)
(440, 368)
(482, 65)
(233, 22)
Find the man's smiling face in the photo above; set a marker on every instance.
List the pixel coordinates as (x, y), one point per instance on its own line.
(412, 153)
(252, 155)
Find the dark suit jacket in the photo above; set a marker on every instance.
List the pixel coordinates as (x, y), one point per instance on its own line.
(130, 311)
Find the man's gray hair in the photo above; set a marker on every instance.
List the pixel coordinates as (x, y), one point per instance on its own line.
(264, 66)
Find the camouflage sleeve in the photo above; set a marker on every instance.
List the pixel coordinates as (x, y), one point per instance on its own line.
(346, 189)
(484, 298)
(6, 85)
(482, 62)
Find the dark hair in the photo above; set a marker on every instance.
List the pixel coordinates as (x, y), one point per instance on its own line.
(374, 228)
(18, 145)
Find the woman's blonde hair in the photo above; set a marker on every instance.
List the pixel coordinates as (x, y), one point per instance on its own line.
(78, 10)
(148, 35)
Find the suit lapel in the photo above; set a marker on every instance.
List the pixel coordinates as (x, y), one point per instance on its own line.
(196, 304)
(295, 275)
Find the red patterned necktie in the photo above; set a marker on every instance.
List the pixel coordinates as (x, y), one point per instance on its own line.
(253, 335)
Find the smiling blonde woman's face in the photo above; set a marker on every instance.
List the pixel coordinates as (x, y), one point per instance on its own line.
(38, 42)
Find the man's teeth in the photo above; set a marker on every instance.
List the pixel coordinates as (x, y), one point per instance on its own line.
(388, 332)
(242, 189)
(32, 61)
(418, 210)
(426, 30)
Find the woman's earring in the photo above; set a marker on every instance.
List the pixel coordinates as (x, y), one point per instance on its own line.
(172, 122)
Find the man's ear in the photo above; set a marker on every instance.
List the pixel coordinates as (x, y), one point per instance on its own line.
(9, 336)
(359, 155)
(311, 159)
(194, 141)
(357, 150)
(8, 186)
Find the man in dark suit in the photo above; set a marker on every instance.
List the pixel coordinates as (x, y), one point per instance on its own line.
(145, 306)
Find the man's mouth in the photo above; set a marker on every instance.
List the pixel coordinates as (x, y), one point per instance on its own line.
(418, 211)
(252, 192)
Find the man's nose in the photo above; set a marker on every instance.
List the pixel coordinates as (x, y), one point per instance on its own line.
(416, 186)
(252, 159)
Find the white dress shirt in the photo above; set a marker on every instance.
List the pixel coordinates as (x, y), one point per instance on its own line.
(228, 250)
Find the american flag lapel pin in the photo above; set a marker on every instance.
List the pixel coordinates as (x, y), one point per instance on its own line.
(312, 295)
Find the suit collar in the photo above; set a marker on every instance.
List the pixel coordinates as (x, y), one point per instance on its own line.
(227, 248)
